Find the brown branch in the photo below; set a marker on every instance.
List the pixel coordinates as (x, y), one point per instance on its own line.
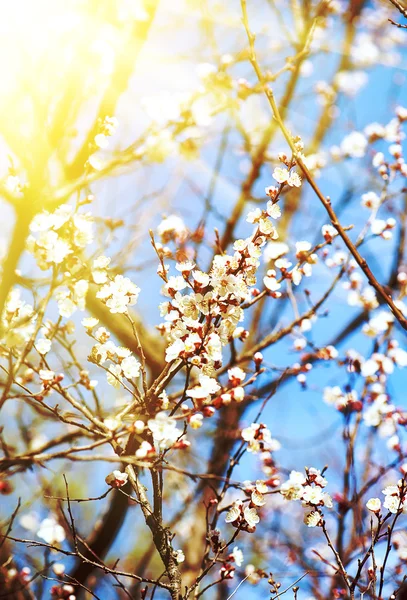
(402, 9)
(161, 535)
(119, 326)
(326, 202)
(258, 159)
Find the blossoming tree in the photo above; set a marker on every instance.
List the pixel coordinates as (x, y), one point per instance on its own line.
(204, 273)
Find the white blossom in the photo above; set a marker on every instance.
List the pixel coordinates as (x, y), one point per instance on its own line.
(117, 479)
(354, 145)
(164, 430)
(51, 532)
(43, 346)
(119, 294)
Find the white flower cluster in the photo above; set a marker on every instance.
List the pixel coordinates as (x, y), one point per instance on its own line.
(18, 321)
(258, 438)
(381, 413)
(395, 163)
(62, 235)
(172, 228)
(305, 259)
(243, 517)
(283, 175)
(378, 323)
(164, 430)
(122, 361)
(58, 241)
(342, 400)
(309, 489)
(358, 295)
(383, 228)
(378, 410)
(395, 499)
(48, 529)
(356, 143)
(119, 294)
(286, 175)
(14, 185)
(205, 308)
(259, 441)
(208, 386)
(101, 141)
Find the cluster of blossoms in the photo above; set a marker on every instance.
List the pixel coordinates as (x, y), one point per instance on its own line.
(378, 38)
(231, 561)
(101, 141)
(395, 499)
(208, 387)
(243, 517)
(394, 135)
(63, 592)
(385, 416)
(119, 294)
(379, 323)
(18, 321)
(172, 228)
(309, 489)
(387, 168)
(275, 251)
(164, 431)
(356, 143)
(342, 400)
(48, 378)
(378, 410)
(303, 268)
(202, 392)
(286, 175)
(291, 178)
(12, 575)
(228, 568)
(62, 235)
(58, 241)
(389, 163)
(122, 361)
(360, 294)
(48, 529)
(379, 365)
(161, 432)
(204, 309)
(14, 185)
(259, 441)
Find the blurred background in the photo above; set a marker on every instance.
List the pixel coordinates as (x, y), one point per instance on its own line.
(195, 139)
